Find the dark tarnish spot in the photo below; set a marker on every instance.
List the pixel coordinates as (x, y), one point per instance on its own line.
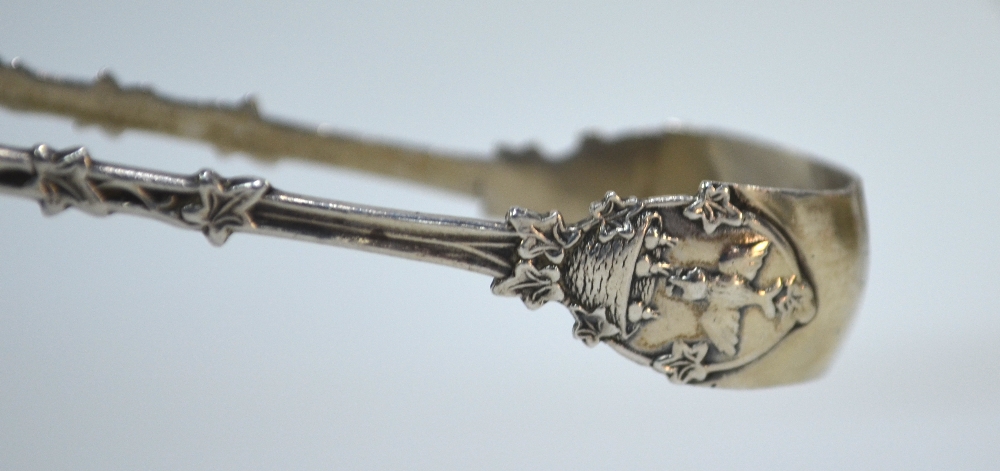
(15, 179)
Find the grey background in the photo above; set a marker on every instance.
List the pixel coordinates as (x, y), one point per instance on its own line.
(125, 344)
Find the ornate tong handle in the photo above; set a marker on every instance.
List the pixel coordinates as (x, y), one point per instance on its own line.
(219, 206)
(695, 287)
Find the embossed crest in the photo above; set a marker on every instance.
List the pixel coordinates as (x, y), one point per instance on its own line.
(693, 287)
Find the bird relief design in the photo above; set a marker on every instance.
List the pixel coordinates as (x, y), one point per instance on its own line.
(693, 287)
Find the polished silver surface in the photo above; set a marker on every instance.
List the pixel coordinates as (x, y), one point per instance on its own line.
(130, 344)
(701, 288)
(219, 206)
(693, 287)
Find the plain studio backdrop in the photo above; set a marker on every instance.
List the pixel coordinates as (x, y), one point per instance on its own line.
(127, 344)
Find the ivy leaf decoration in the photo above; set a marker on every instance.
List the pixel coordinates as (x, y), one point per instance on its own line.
(615, 216)
(713, 207)
(224, 205)
(63, 180)
(592, 327)
(542, 235)
(684, 363)
(535, 286)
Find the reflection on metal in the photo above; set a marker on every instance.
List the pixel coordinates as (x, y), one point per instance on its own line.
(219, 206)
(750, 282)
(694, 287)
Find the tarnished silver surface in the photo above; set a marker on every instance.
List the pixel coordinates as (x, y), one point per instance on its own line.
(694, 287)
(750, 282)
(219, 206)
(741, 285)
